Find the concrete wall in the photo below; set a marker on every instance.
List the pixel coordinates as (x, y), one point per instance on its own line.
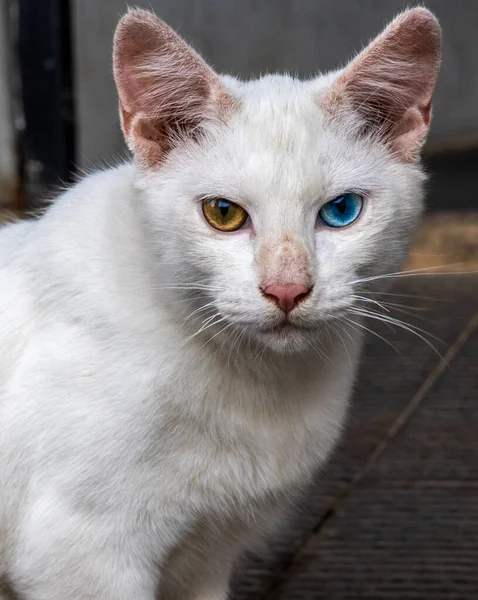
(249, 37)
(7, 139)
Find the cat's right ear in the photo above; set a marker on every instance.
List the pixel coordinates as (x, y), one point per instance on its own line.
(166, 91)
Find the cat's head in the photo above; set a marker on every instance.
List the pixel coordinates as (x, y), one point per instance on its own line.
(268, 201)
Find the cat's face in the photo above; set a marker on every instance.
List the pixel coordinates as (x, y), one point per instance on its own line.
(281, 159)
(266, 218)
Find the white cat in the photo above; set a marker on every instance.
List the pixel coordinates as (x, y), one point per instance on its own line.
(177, 347)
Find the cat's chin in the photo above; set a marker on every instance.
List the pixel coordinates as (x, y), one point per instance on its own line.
(286, 339)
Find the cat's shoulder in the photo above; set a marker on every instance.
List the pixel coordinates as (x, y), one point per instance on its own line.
(84, 195)
(91, 192)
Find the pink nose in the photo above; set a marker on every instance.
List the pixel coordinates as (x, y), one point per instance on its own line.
(286, 296)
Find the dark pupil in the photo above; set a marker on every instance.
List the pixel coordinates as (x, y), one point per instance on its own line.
(224, 208)
(341, 205)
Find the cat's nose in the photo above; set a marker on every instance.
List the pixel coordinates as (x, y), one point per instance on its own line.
(286, 296)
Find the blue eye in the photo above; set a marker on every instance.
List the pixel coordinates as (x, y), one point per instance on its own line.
(342, 211)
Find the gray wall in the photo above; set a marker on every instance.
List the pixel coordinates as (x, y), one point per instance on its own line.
(7, 138)
(249, 37)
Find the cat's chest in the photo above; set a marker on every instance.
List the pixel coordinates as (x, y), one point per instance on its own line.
(244, 439)
(188, 428)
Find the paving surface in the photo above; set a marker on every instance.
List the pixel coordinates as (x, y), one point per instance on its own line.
(395, 513)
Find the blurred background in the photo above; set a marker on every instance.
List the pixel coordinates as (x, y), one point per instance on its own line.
(395, 515)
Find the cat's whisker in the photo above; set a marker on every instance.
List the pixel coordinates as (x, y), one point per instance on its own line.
(412, 312)
(397, 295)
(402, 308)
(263, 353)
(187, 299)
(254, 355)
(362, 326)
(201, 309)
(198, 310)
(193, 335)
(208, 320)
(192, 287)
(212, 323)
(370, 300)
(319, 351)
(337, 332)
(236, 340)
(260, 353)
(216, 334)
(394, 305)
(345, 330)
(426, 271)
(397, 322)
(245, 336)
(235, 336)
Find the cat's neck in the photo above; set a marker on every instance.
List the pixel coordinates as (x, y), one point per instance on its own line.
(242, 356)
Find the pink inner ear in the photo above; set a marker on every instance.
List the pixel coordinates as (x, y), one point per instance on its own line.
(390, 84)
(165, 89)
(410, 132)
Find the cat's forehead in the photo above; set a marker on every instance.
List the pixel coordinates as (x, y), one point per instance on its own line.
(276, 106)
(278, 86)
(284, 120)
(280, 142)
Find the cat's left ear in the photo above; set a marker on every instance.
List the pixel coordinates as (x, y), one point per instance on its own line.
(390, 84)
(166, 91)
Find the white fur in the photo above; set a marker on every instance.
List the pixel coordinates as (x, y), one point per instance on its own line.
(140, 457)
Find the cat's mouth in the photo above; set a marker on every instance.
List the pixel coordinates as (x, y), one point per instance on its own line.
(285, 326)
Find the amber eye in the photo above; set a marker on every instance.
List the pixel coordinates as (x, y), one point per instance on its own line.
(224, 215)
